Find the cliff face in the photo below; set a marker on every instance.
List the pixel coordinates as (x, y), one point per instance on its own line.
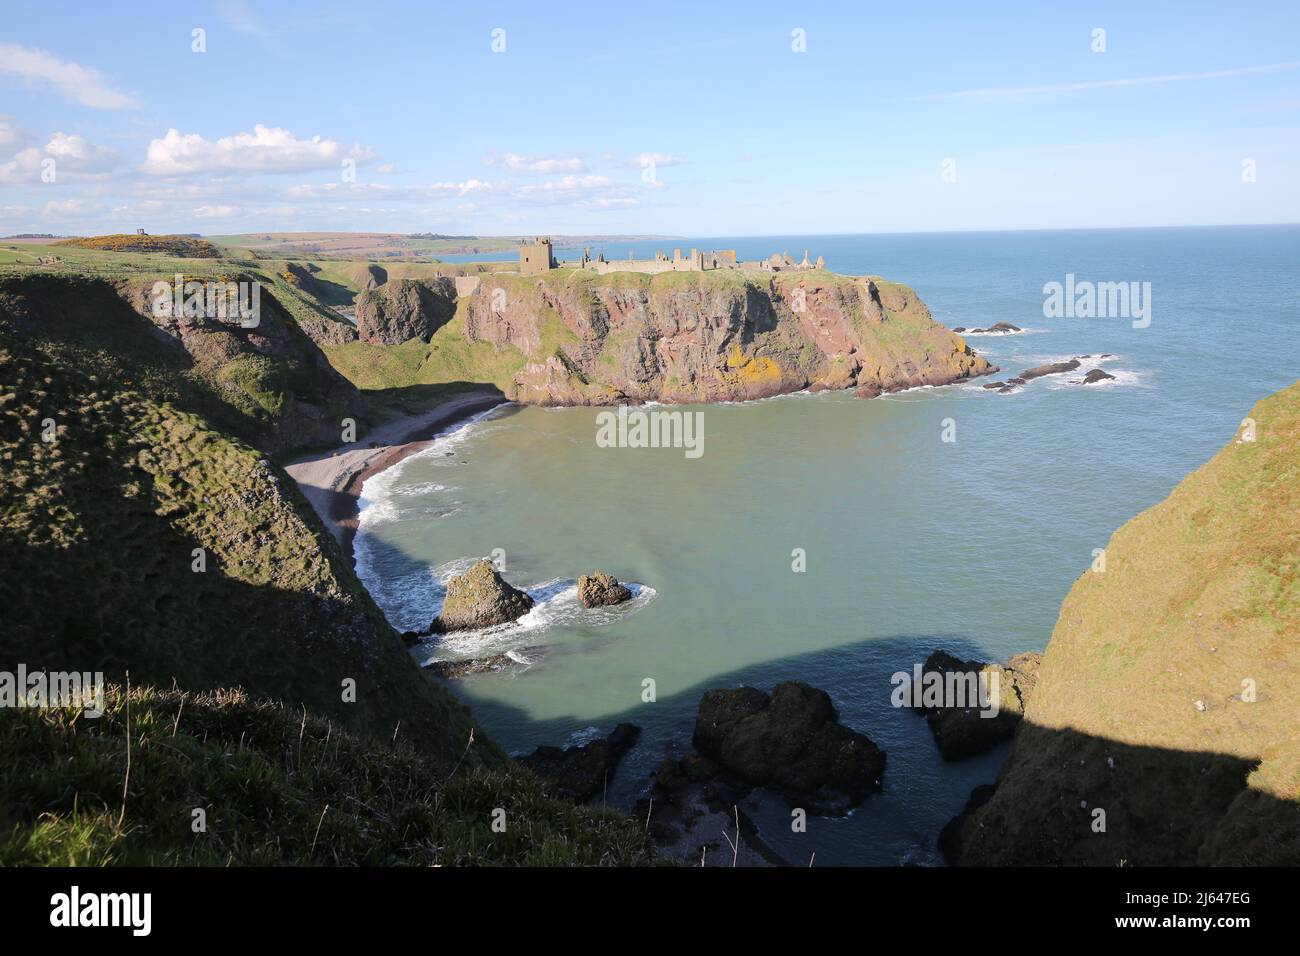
(404, 309)
(1167, 696)
(271, 385)
(696, 337)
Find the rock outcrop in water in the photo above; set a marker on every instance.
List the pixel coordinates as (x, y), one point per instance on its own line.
(404, 309)
(584, 339)
(1055, 368)
(1162, 730)
(790, 741)
(959, 726)
(480, 598)
(583, 772)
(599, 589)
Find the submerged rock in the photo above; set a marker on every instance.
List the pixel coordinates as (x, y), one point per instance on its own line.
(580, 773)
(454, 670)
(599, 589)
(1055, 368)
(791, 742)
(960, 724)
(480, 598)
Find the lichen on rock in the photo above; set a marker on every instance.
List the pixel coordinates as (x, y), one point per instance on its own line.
(480, 598)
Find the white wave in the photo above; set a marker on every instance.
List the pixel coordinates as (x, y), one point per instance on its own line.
(1123, 378)
(969, 333)
(557, 605)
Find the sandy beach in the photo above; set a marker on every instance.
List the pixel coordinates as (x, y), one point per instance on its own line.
(332, 480)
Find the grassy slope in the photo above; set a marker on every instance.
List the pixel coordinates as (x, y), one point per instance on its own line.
(277, 787)
(97, 536)
(96, 563)
(1200, 593)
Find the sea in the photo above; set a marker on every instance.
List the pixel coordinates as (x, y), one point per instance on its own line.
(837, 540)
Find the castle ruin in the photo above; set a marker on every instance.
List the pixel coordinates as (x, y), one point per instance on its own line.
(538, 256)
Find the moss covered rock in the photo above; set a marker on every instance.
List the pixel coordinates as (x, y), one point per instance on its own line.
(480, 598)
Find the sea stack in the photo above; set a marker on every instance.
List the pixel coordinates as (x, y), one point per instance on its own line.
(599, 589)
(480, 598)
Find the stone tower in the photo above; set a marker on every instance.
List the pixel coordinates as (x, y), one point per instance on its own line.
(536, 257)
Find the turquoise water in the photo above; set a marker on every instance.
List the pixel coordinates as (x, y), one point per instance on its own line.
(912, 543)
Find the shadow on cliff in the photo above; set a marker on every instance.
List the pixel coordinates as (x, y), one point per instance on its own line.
(1067, 798)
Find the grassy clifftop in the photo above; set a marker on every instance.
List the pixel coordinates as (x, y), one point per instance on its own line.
(271, 786)
(1167, 696)
(141, 536)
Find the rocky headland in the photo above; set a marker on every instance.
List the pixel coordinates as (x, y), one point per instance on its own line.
(576, 338)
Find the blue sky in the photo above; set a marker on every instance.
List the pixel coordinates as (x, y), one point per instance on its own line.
(687, 119)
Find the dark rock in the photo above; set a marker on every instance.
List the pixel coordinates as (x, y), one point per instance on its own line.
(1096, 375)
(1016, 381)
(950, 835)
(479, 598)
(580, 773)
(599, 589)
(1054, 368)
(1003, 327)
(411, 638)
(791, 742)
(694, 812)
(994, 385)
(454, 670)
(405, 309)
(960, 328)
(956, 718)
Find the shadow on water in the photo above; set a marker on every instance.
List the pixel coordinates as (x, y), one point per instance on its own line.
(1162, 806)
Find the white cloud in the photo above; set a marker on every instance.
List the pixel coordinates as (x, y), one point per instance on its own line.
(11, 134)
(71, 208)
(463, 188)
(588, 192)
(239, 17)
(78, 83)
(567, 185)
(214, 212)
(73, 158)
(537, 165)
(654, 160)
(267, 149)
(1018, 91)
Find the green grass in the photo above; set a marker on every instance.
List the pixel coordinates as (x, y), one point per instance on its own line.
(276, 787)
(1199, 594)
